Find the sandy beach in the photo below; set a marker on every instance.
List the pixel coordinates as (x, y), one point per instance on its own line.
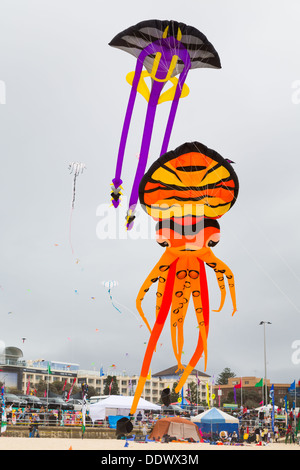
(19, 443)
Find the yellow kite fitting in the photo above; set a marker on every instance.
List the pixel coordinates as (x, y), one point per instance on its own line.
(167, 95)
(156, 64)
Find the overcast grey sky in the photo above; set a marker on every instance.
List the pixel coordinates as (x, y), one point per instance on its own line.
(66, 97)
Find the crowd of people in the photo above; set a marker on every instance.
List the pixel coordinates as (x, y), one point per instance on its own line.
(43, 416)
(254, 428)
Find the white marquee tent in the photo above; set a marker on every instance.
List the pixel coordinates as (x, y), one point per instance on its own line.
(118, 405)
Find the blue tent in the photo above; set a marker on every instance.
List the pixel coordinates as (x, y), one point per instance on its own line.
(112, 420)
(215, 421)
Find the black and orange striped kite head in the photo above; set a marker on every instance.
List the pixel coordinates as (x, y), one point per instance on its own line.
(189, 182)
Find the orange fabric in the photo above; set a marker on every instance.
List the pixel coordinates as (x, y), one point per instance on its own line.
(162, 425)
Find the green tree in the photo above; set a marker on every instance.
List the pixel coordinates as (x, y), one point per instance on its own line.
(55, 387)
(193, 393)
(249, 398)
(111, 381)
(174, 396)
(224, 376)
(91, 392)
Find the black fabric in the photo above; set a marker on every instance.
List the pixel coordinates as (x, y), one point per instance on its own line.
(134, 39)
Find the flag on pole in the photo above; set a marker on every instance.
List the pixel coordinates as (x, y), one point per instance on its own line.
(239, 385)
(292, 387)
(285, 404)
(271, 394)
(273, 406)
(234, 389)
(83, 410)
(83, 414)
(2, 396)
(3, 417)
(259, 384)
(110, 385)
(28, 388)
(49, 369)
(71, 389)
(101, 372)
(3, 421)
(207, 395)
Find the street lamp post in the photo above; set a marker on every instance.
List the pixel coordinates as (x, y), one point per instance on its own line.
(265, 358)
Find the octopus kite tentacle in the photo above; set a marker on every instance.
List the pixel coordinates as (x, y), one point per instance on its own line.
(180, 302)
(222, 269)
(156, 275)
(203, 323)
(155, 334)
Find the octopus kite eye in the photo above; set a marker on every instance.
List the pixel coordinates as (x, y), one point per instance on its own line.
(164, 244)
(179, 293)
(164, 268)
(181, 274)
(211, 243)
(193, 274)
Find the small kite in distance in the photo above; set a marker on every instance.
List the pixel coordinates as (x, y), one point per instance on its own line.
(76, 168)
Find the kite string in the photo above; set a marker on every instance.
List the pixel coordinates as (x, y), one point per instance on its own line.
(113, 301)
(72, 210)
(263, 270)
(124, 306)
(70, 230)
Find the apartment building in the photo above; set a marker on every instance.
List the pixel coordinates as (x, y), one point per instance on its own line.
(250, 383)
(26, 375)
(153, 386)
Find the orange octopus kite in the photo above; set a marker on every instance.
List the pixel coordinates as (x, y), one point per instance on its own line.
(185, 191)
